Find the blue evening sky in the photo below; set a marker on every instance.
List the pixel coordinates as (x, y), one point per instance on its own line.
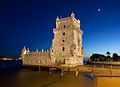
(31, 23)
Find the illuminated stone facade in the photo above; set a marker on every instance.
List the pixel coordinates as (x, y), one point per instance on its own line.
(67, 43)
(66, 46)
(36, 58)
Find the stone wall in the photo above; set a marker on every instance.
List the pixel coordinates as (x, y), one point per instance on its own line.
(37, 58)
(67, 43)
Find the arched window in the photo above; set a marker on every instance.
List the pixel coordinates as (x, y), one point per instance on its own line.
(64, 26)
(63, 33)
(63, 48)
(45, 61)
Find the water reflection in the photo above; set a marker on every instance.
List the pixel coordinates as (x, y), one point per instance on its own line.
(108, 81)
(28, 78)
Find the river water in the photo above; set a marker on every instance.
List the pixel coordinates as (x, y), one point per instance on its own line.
(11, 76)
(29, 78)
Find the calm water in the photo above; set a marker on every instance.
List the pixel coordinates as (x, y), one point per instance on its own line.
(28, 78)
(12, 76)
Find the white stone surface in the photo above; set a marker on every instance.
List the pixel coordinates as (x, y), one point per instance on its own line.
(67, 36)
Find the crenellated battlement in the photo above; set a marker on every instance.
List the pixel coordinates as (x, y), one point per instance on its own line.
(40, 53)
(68, 22)
(67, 29)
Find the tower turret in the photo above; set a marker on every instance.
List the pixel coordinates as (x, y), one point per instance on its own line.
(23, 53)
(42, 50)
(72, 15)
(28, 50)
(57, 19)
(36, 50)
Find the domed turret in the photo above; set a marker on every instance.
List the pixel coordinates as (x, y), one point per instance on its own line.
(57, 19)
(28, 50)
(36, 50)
(72, 15)
(23, 53)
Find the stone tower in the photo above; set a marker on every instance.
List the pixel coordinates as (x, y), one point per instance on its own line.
(66, 46)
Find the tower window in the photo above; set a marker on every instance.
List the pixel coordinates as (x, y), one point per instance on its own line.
(63, 33)
(52, 50)
(64, 26)
(78, 40)
(63, 48)
(39, 61)
(45, 61)
(63, 40)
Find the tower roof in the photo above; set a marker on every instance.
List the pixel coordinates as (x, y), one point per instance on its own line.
(28, 50)
(57, 19)
(24, 47)
(72, 14)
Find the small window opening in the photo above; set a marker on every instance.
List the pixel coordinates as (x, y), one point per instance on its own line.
(63, 33)
(64, 26)
(63, 48)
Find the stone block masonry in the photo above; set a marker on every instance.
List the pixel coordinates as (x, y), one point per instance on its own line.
(66, 46)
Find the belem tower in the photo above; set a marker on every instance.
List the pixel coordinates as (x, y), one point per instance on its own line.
(66, 46)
